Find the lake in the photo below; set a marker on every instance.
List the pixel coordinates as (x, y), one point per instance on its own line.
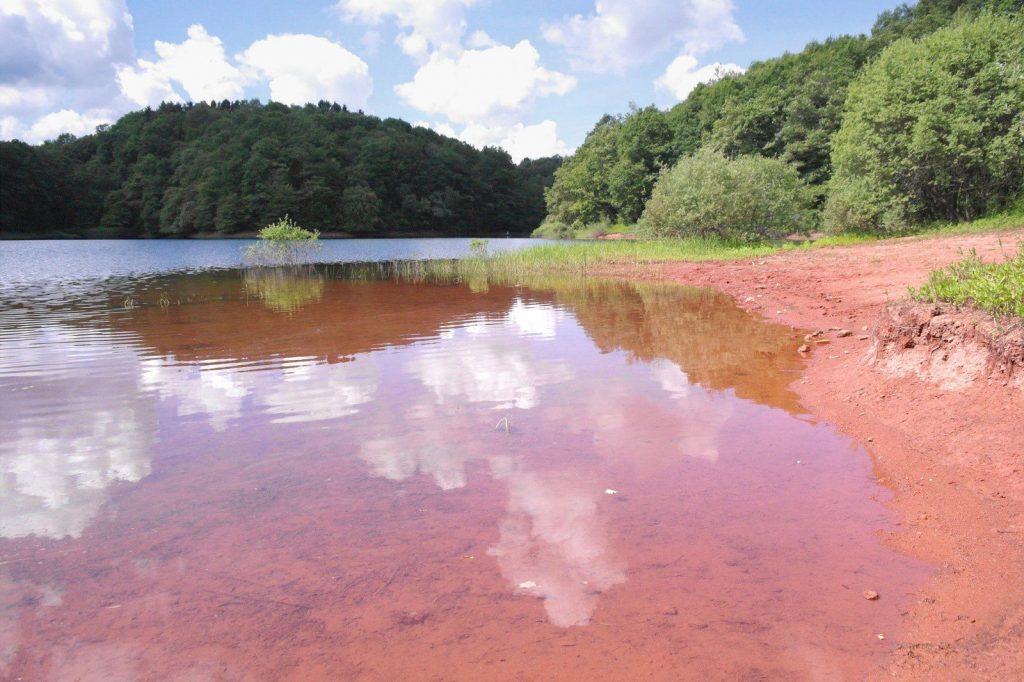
(211, 472)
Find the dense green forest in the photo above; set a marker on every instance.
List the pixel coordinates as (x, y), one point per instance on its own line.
(792, 107)
(235, 166)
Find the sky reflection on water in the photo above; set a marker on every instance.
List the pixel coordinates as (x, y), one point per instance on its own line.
(417, 454)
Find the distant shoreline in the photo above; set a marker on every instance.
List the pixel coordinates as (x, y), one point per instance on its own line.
(59, 236)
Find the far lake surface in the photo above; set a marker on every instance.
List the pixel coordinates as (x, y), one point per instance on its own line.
(216, 473)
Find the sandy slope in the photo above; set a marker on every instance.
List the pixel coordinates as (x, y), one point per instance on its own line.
(954, 458)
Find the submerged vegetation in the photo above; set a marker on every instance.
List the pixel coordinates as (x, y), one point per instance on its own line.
(995, 287)
(284, 289)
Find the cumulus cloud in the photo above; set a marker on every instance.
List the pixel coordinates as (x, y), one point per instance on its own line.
(304, 68)
(58, 59)
(66, 44)
(483, 85)
(490, 91)
(67, 66)
(428, 24)
(682, 75)
(480, 39)
(622, 33)
(198, 65)
(519, 140)
(479, 84)
(65, 121)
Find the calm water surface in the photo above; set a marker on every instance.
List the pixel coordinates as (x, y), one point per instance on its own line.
(41, 261)
(290, 475)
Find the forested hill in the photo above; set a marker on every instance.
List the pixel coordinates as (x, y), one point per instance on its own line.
(789, 107)
(236, 166)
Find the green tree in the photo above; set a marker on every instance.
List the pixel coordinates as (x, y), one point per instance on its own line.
(360, 209)
(934, 129)
(748, 198)
(180, 169)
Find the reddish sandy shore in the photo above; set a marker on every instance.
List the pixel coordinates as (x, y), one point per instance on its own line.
(954, 458)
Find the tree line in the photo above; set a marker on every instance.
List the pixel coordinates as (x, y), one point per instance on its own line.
(919, 121)
(226, 167)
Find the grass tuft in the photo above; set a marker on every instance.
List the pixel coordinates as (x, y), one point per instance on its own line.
(995, 287)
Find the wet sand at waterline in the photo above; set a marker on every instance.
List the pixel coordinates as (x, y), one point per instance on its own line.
(216, 476)
(953, 453)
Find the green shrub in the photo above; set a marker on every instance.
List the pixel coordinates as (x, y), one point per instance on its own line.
(749, 198)
(287, 230)
(554, 229)
(995, 287)
(933, 130)
(283, 243)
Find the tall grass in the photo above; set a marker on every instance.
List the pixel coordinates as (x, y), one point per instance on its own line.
(583, 256)
(995, 287)
(573, 259)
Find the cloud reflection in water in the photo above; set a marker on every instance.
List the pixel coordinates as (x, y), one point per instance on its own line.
(79, 424)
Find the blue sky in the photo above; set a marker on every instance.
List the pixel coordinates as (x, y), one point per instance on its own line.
(530, 76)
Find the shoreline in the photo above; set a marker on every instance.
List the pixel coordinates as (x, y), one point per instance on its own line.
(250, 234)
(954, 460)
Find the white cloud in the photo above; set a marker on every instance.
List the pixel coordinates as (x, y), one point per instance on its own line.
(442, 128)
(428, 23)
(303, 68)
(65, 121)
(371, 43)
(479, 40)
(145, 84)
(58, 62)
(623, 33)
(23, 98)
(61, 43)
(413, 44)
(198, 65)
(682, 76)
(519, 140)
(52, 125)
(490, 90)
(492, 85)
(67, 66)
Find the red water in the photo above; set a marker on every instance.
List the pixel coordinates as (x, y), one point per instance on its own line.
(366, 480)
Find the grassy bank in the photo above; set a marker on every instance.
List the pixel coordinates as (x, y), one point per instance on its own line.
(597, 257)
(995, 287)
(574, 256)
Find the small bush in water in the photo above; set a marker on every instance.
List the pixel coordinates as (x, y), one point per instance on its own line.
(749, 198)
(287, 230)
(283, 243)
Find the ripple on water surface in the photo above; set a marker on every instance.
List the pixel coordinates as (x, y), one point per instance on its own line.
(243, 476)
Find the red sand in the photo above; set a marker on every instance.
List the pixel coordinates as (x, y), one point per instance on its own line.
(955, 459)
